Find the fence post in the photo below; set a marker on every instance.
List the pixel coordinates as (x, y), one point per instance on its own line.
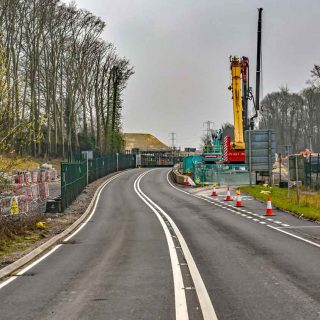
(117, 161)
(297, 179)
(250, 155)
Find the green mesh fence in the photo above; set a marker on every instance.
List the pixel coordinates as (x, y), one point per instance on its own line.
(312, 172)
(73, 181)
(222, 174)
(74, 175)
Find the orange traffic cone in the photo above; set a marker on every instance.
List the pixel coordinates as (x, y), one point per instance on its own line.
(186, 183)
(269, 207)
(228, 196)
(214, 192)
(239, 200)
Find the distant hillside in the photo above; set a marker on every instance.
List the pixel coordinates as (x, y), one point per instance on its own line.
(143, 141)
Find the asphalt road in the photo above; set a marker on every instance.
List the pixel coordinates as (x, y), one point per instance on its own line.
(152, 251)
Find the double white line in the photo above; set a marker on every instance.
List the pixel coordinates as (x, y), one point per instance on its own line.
(179, 290)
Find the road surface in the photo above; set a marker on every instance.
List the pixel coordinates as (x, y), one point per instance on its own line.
(152, 251)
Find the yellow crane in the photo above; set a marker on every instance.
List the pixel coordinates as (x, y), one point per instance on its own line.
(236, 65)
(234, 152)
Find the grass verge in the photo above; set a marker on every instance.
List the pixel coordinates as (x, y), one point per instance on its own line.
(308, 207)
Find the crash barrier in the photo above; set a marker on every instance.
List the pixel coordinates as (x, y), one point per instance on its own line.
(222, 174)
(75, 176)
(177, 176)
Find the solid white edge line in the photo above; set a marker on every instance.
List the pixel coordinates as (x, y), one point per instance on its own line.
(94, 208)
(261, 217)
(208, 311)
(294, 236)
(6, 282)
(179, 292)
(3, 284)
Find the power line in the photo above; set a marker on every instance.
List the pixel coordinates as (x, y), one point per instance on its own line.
(172, 138)
(208, 127)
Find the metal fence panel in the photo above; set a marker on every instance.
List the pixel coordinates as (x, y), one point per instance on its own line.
(73, 181)
(222, 174)
(312, 171)
(74, 175)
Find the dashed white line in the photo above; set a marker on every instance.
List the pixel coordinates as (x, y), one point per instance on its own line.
(207, 309)
(279, 229)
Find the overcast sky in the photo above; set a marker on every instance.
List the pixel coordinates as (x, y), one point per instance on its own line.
(180, 50)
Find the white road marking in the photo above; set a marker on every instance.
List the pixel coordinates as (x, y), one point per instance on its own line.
(280, 229)
(207, 309)
(286, 226)
(294, 236)
(256, 220)
(179, 294)
(21, 272)
(3, 284)
(94, 208)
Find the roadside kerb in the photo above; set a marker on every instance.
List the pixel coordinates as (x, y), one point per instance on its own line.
(8, 270)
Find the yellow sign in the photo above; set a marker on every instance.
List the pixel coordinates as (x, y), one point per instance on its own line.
(14, 207)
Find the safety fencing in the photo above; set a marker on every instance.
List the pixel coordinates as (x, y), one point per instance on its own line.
(75, 176)
(222, 174)
(305, 169)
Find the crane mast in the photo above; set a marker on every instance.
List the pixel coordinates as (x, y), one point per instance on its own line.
(236, 87)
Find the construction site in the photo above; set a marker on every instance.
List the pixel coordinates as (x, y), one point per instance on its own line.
(103, 219)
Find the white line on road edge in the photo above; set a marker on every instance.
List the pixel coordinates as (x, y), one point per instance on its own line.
(179, 293)
(95, 199)
(203, 296)
(94, 208)
(294, 236)
(279, 229)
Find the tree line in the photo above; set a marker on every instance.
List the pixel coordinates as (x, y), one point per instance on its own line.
(61, 84)
(294, 116)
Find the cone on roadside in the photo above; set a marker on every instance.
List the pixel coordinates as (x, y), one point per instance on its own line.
(228, 196)
(269, 211)
(186, 183)
(239, 199)
(214, 192)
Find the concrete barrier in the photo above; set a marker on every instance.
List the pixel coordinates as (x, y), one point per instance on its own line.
(177, 176)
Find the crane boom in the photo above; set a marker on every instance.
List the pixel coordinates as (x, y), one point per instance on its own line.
(236, 85)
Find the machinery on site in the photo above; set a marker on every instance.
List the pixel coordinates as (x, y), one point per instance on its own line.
(213, 149)
(234, 151)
